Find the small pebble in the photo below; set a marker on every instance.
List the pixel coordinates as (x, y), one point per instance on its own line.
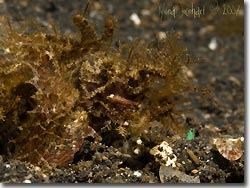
(27, 181)
(145, 12)
(137, 174)
(213, 44)
(206, 29)
(139, 141)
(207, 116)
(126, 123)
(137, 151)
(97, 6)
(161, 35)
(135, 19)
(193, 156)
(194, 171)
(104, 158)
(234, 80)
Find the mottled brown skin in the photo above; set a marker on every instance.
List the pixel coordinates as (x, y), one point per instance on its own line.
(73, 82)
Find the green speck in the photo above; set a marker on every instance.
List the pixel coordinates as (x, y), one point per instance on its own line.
(190, 134)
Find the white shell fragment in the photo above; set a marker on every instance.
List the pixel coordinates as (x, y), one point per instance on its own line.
(137, 174)
(164, 154)
(213, 44)
(230, 148)
(27, 181)
(167, 172)
(135, 19)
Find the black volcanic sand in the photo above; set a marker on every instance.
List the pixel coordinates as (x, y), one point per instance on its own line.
(220, 70)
